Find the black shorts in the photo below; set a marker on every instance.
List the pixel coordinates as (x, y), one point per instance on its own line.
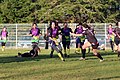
(95, 45)
(117, 41)
(66, 42)
(26, 55)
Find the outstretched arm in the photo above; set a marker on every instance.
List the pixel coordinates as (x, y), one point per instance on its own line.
(118, 35)
(76, 34)
(113, 33)
(51, 38)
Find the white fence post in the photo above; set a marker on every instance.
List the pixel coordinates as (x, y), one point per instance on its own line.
(46, 28)
(105, 34)
(16, 35)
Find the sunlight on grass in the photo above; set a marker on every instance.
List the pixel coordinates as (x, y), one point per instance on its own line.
(45, 68)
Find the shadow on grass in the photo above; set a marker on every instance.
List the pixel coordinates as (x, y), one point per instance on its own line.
(10, 59)
(91, 56)
(107, 78)
(103, 53)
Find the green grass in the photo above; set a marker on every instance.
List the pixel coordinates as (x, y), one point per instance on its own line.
(45, 68)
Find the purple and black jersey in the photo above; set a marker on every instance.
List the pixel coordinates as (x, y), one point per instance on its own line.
(66, 34)
(35, 32)
(4, 33)
(110, 30)
(53, 32)
(78, 30)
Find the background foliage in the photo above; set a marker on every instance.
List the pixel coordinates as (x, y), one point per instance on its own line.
(26, 11)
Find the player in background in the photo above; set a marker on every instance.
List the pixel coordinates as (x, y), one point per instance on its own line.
(46, 41)
(4, 35)
(111, 36)
(80, 40)
(78, 30)
(66, 39)
(35, 33)
(117, 37)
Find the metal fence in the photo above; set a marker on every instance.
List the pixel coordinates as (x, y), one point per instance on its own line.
(19, 34)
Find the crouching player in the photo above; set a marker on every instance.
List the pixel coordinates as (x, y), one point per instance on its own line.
(92, 41)
(53, 33)
(4, 35)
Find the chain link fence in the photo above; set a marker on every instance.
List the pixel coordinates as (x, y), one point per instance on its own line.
(19, 34)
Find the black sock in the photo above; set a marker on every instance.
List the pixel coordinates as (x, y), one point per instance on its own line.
(118, 53)
(99, 56)
(89, 50)
(51, 54)
(61, 53)
(83, 53)
(111, 44)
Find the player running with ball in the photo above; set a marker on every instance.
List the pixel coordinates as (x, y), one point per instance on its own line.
(54, 32)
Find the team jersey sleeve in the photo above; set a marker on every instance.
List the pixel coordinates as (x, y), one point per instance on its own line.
(30, 31)
(39, 31)
(7, 34)
(84, 32)
(75, 31)
(49, 32)
(108, 31)
(60, 30)
(71, 30)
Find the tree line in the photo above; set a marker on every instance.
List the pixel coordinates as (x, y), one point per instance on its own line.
(27, 11)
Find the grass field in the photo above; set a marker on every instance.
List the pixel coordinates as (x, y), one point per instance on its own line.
(45, 68)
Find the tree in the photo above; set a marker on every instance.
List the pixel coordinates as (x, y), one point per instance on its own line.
(26, 11)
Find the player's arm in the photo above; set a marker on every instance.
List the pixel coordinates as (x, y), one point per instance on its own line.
(60, 34)
(34, 54)
(52, 39)
(114, 31)
(71, 32)
(94, 32)
(39, 32)
(118, 35)
(30, 33)
(7, 34)
(74, 34)
(55, 40)
(78, 35)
